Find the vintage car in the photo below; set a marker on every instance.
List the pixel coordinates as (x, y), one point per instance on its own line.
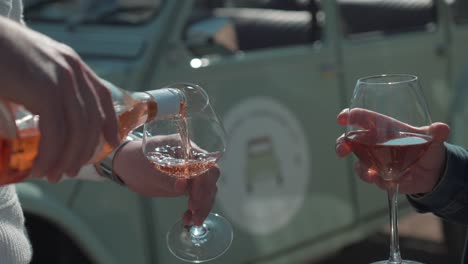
(278, 72)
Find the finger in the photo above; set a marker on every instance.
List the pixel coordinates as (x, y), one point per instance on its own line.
(199, 215)
(342, 149)
(202, 210)
(82, 145)
(201, 203)
(366, 173)
(342, 117)
(90, 139)
(70, 101)
(367, 119)
(78, 109)
(203, 195)
(110, 128)
(204, 202)
(204, 188)
(53, 131)
(181, 186)
(439, 131)
(187, 218)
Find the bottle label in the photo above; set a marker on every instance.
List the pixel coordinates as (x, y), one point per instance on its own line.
(168, 101)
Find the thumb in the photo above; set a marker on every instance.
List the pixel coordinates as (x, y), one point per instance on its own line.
(342, 117)
(439, 131)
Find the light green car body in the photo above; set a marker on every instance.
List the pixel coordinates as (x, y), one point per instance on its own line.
(304, 201)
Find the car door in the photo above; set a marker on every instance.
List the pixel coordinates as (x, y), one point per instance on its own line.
(394, 37)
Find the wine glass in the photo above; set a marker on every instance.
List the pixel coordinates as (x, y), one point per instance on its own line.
(384, 116)
(186, 145)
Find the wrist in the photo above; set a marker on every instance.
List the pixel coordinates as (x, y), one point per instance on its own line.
(440, 174)
(105, 167)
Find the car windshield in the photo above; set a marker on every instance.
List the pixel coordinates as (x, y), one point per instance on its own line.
(91, 11)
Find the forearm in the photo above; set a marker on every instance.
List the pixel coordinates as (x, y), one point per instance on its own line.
(449, 199)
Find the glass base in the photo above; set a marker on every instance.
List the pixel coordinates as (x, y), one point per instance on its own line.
(199, 244)
(393, 262)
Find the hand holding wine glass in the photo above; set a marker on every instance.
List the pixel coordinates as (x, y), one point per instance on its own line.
(389, 129)
(194, 141)
(422, 176)
(141, 177)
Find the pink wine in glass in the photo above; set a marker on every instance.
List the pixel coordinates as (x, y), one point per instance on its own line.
(165, 158)
(181, 159)
(390, 156)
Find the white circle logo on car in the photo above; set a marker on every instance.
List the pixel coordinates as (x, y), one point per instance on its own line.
(265, 169)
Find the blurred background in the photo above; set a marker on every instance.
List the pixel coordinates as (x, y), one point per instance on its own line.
(277, 72)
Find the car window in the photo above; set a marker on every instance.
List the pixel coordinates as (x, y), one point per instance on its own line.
(459, 9)
(386, 16)
(263, 24)
(90, 11)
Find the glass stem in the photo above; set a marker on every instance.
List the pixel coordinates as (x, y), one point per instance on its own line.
(199, 235)
(198, 231)
(395, 257)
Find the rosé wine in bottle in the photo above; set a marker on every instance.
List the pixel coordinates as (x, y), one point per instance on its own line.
(19, 133)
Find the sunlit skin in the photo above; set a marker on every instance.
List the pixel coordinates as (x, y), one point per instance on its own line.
(419, 178)
(141, 177)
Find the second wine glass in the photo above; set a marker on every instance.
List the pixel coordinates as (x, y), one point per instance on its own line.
(186, 146)
(384, 131)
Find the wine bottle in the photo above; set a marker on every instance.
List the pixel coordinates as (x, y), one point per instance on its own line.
(20, 136)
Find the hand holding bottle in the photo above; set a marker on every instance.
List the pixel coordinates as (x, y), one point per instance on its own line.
(51, 80)
(140, 176)
(419, 178)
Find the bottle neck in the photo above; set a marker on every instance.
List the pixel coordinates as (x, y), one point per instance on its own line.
(151, 104)
(168, 103)
(161, 103)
